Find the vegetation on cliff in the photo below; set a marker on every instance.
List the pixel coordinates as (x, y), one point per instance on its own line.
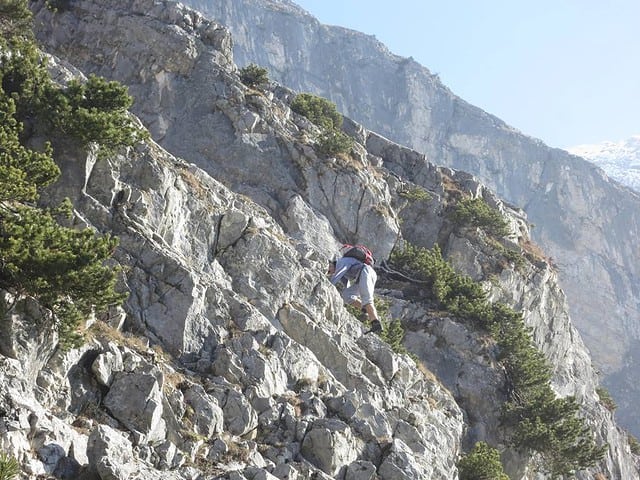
(63, 267)
(254, 76)
(482, 463)
(323, 113)
(539, 421)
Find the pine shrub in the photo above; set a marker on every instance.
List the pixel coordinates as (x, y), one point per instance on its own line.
(476, 212)
(58, 6)
(22, 171)
(334, 142)
(15, 20)
(9, 467)
(254, 76)
(323, 113)
(452, 291)
(318, 110)
(634, 444)
(482, 463)
(540, 422)
(415, 194)
(94, 111)
(392, 329)
(393, 333)
(63, 268)
(606, 399)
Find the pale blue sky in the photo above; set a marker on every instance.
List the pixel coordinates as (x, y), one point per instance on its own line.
(564, 71)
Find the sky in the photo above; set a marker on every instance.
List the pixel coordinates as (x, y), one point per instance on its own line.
(564, 71)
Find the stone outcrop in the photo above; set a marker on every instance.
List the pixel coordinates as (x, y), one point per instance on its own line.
(233, 357)
(586, 222)
(262, 349)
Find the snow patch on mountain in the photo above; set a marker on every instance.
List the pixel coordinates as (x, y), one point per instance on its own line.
(620, 160)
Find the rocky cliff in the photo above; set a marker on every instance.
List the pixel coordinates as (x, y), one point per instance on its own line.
(587, 224)
(233, 356)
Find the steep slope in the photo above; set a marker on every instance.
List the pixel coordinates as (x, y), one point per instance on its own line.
(255, 365)
(235, 292)
(621, 160)
(588, 224)
(244, 362)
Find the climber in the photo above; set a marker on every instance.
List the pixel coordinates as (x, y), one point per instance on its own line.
(358, 279)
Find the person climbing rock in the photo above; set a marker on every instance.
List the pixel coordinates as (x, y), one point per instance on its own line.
(354, 270)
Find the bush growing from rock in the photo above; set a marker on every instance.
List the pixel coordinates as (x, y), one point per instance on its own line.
(606, 399)
(482, 463)
(415, 194)
(634, 444)
(9, 467)
(63, 268)
(392, 329)
(318, 110)
(22, 171)
(94, 111)
(393, 333)
(334, 142)
(540, 421)
(254, 76)
(454, 292)
(58, 5)
(476, 213)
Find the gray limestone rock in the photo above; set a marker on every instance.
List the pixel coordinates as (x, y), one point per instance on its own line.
(586, 222)
(247, 364)
(207, 416)
(135, 399)
(107, 364)
(110, 454)
(329, 445)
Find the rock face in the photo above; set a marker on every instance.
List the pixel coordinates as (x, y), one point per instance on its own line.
(589, 225)
(235, 357)
(265, 353)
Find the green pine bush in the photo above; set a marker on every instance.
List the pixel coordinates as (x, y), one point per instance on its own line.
(476, 212)
(58, 6)
(392, 329)
(22, 171)
(62, 267)
(9, 467)
(334, 142)
(323, 113)
(482, 463)
(318, 110)
(634, 444)
(94, 112)
(606, 399)
(452, 291)
(254, 76)
(393, 333)
(540, 422)
(65, 269)
(15, 20)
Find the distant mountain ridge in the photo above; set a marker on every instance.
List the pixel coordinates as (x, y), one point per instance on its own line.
(620, 160)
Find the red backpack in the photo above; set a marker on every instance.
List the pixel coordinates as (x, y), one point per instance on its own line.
(359, 252)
